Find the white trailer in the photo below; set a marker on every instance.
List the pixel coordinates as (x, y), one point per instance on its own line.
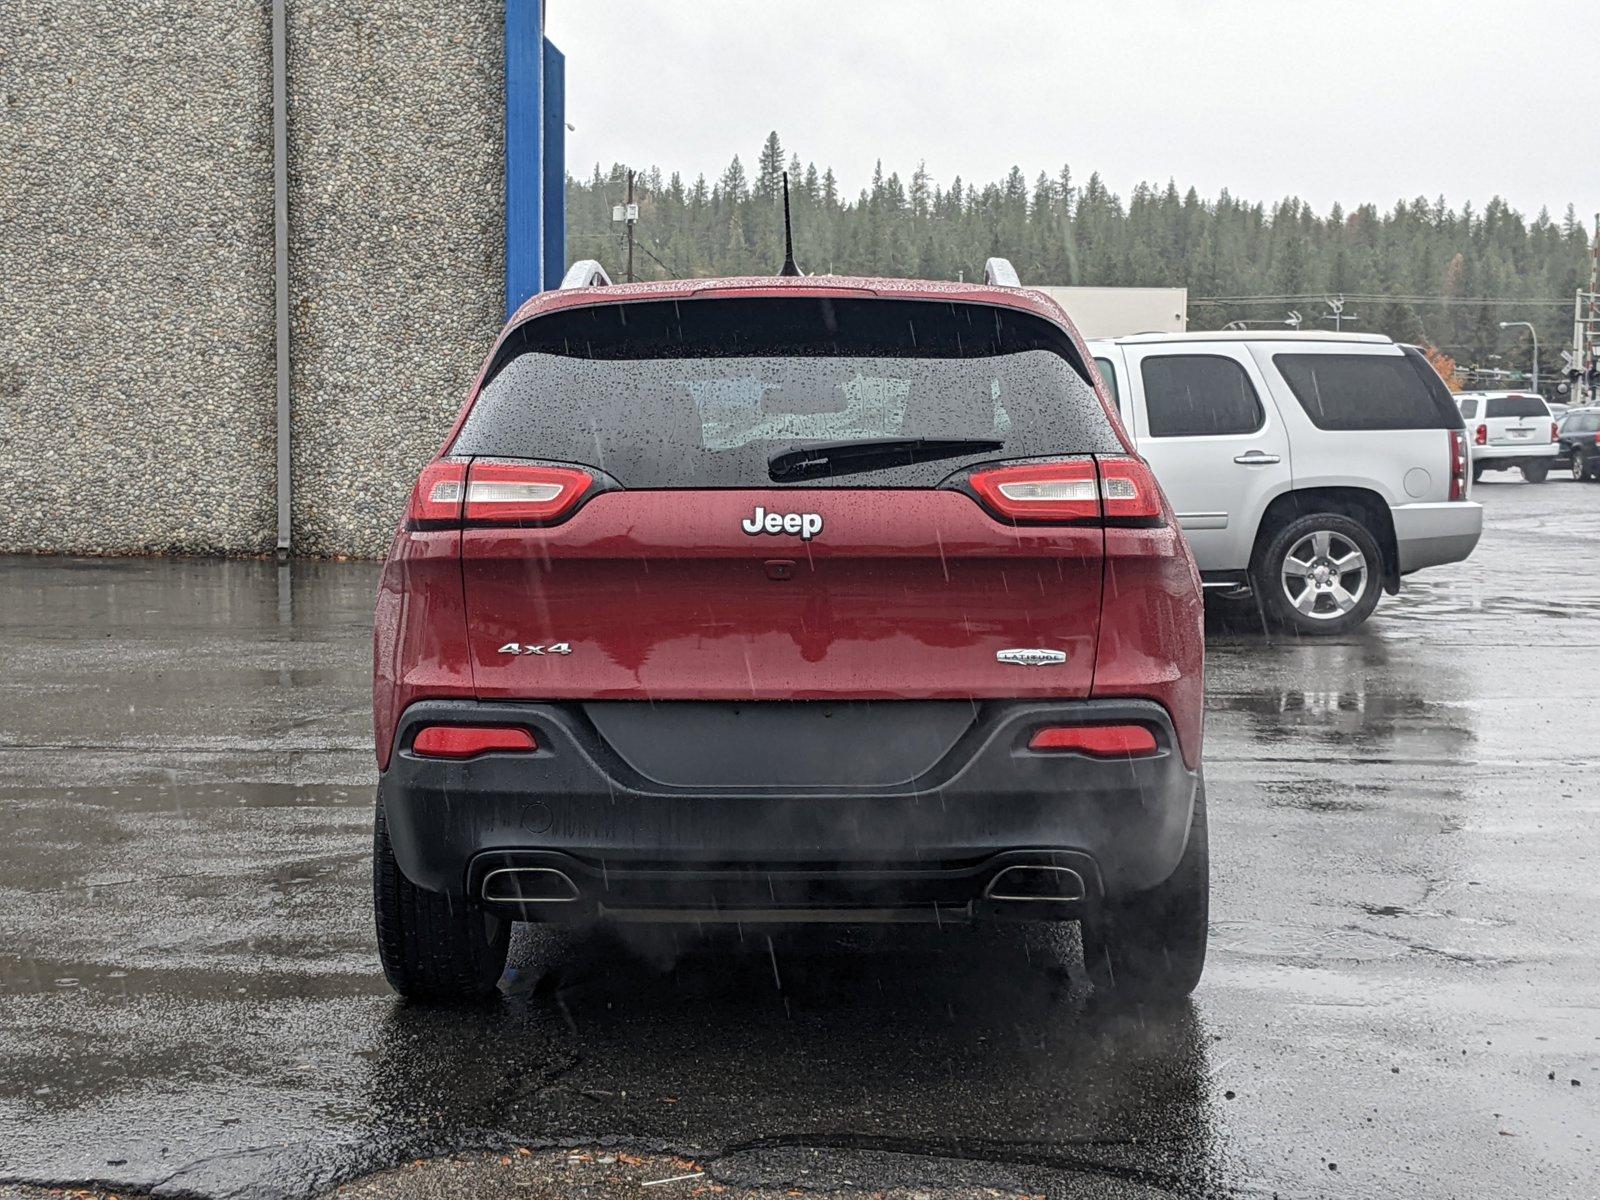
(1103, 312)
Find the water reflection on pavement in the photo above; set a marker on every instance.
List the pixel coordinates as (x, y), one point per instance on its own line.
(1401, 999)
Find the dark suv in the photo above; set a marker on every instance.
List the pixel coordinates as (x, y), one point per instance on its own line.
(812, 599)
(1578, 443)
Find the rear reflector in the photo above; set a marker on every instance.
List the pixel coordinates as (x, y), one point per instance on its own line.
(1099, 741)
(511, 493)
(436, 499)
(469, 741)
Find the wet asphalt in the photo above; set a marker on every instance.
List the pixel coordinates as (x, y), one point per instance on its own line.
(1403, 995)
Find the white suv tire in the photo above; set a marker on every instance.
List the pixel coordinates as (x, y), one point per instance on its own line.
(1320, 574)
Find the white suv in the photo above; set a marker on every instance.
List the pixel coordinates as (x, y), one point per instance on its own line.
(1313, 469)
(1510, 431)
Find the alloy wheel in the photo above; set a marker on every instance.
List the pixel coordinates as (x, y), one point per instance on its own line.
(1324, 575)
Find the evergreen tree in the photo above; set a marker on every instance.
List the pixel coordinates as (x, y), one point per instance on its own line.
(769, 168)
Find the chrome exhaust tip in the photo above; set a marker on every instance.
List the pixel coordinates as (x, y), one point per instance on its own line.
(1023, 883)
(528, 885)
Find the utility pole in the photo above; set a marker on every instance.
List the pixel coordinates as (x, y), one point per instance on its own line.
(1534, 334)
(628, 214)
(1592, 358)
(633, 216)
(1336, 312)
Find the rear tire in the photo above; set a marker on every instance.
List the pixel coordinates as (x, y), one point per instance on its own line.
(1580, 466)
(1477, 472)
(1151, 947)
(433, 946)
(1333, 567)
(1535, 472)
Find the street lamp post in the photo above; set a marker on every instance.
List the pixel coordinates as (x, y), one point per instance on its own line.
(1534, 334)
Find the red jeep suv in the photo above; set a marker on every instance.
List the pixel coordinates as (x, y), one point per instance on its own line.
(788, 599)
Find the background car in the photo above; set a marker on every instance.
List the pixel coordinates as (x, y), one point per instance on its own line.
(1313, 470)
(1578, 443)
(1509, 431)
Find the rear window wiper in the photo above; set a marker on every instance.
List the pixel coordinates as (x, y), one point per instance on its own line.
(848, 456)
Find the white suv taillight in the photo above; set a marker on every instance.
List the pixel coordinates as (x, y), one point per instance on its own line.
(1458, 464)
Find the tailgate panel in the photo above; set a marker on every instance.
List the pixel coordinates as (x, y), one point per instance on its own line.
(663, 595)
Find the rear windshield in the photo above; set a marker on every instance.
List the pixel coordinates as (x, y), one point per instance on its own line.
(1369, 391)
(703, 393)
(1514, 406)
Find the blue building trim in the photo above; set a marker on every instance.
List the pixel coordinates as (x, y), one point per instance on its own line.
(524, 150)
(555, 164)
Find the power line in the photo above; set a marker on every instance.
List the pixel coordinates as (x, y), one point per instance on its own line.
(1377, 297)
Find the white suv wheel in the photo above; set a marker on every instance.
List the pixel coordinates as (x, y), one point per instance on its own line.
(1324, 575)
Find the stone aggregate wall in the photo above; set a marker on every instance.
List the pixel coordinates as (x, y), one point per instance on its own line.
(397, 247)
(137, 384)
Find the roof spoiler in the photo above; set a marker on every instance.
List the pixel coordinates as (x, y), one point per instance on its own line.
(998, 272)
(586, 272)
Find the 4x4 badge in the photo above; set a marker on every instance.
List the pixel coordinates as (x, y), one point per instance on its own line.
(1032, 658)
(524, 648)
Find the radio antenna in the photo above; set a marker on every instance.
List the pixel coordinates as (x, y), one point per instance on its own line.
(789, 267)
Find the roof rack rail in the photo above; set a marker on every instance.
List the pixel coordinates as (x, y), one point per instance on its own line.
(998, 272)
(586, 272)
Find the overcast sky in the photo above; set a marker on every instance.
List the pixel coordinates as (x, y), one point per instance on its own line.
(1346, 100)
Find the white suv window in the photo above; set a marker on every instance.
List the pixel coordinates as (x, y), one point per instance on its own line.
(1108, 372)
(1515, 406)
(1345, 392)
(1199, 395)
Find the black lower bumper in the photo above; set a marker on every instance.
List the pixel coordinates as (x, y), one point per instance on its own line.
(573, 831)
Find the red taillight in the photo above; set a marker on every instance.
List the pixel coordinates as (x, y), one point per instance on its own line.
(511, 493)
(1098, 741)
(1128, 490)
(1555, 434)
(1458, 464)
(469, 741)
(1048, 493)
(436, 500)
(1482, 436)
(1071, 491)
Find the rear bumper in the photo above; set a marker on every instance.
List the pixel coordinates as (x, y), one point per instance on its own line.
(1428, 535)
(628, 847)
(1511, 454)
